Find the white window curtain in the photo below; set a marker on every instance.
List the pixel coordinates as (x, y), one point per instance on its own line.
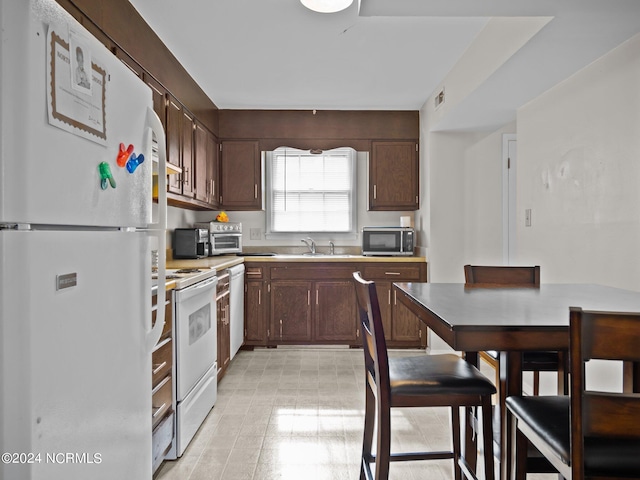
(312, 192)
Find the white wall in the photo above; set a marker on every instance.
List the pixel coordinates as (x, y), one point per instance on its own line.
(461, 221)
(579, 172)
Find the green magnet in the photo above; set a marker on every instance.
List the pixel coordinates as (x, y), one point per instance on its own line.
(106, 176)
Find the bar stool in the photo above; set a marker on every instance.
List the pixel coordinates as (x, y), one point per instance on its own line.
(418, 381)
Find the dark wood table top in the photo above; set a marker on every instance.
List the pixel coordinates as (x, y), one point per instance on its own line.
(511, 320)
(476, 319)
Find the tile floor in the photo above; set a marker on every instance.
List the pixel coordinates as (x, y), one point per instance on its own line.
(297, 413)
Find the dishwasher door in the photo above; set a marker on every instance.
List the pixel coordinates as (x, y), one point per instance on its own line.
(236, 300)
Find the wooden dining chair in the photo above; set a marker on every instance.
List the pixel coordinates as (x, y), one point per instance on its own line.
(416, 381)
(481, 276)
(587, 434)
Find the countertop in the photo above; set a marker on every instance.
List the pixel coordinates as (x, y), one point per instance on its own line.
(225, 261)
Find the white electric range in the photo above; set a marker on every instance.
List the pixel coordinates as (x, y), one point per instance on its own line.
(195, 351)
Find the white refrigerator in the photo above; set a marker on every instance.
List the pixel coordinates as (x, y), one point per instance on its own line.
(77, 224)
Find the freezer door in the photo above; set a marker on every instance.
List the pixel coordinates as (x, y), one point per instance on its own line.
(51, 175)
(76, 377)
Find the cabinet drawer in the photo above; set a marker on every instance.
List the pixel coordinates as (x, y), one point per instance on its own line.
(161, 400)
(162, 360)
(314, 271)
(254, 273)
(161, 439)
(168, 314)
(392, 272)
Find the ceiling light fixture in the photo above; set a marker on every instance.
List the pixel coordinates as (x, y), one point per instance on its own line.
(326, 6)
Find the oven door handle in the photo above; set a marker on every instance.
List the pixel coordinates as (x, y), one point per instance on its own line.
(196, 289)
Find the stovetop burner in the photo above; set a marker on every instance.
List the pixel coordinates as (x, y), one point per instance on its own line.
(186, 277)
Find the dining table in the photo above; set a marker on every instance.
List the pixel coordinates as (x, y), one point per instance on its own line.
(510, 320)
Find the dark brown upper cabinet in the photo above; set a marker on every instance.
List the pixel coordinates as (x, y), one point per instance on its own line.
(394, 176)
(240, 175)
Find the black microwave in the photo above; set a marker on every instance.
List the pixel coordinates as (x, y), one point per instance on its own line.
(397, 241)
(190, 243)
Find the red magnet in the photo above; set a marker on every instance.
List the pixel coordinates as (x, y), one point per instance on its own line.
(123, 155)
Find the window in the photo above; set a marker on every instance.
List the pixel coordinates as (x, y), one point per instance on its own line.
(311, 192)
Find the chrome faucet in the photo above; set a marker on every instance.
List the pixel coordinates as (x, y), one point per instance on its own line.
(332, 248)
(310, 243)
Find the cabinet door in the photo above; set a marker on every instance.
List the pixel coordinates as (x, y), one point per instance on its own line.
(173, 134)
(201, 160)
(406, 326)
(335, 317)
(188, 127)
(213, 166)
(223, 339)
(159, 98)
(240, 172)
(384, 299)
(394, 176)
(254, 307)
(291, 311)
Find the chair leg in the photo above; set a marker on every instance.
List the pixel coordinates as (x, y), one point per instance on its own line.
(369, 423)
(536, 383)
(563, 373)
(455, 437)
(521, 446)
(487, 437)
(383, 446)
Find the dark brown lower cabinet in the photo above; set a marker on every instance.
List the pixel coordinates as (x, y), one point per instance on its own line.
(307, 303)
(223, 321)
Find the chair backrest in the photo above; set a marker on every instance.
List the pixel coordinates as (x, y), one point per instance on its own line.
(372, 333)
(502, 276)
(603, 336)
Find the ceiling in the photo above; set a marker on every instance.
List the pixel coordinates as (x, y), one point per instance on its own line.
(490, 56)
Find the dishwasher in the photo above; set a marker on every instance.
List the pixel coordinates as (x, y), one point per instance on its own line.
(236, 300)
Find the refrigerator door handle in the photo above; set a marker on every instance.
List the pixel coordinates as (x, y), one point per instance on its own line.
(159, 229)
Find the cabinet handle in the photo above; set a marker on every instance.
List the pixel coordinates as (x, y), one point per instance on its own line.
(259, 297)
(375, 192)
(389, 295)
(392, 273)
(159, 367)
(159, 409)
(213, 188)
(255, 190)
(395, 297)
(308, 297)
(281, 329)
(186, 176)
(316, 297)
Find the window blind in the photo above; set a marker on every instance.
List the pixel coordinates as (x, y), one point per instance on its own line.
(312, 192)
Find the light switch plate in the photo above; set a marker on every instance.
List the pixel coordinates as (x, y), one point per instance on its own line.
(255, 234)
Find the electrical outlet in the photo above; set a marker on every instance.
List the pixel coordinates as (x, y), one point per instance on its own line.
(527, 217)
(255, 234)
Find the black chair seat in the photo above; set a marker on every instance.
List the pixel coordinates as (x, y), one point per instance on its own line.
(445, 374)
(548, 417)
(544, 361)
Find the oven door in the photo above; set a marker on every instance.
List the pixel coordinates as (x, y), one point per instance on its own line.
(226, 243)
(196, 334)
